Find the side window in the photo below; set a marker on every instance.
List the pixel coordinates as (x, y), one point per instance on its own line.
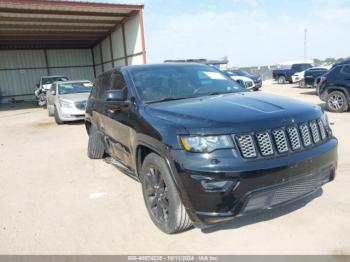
(118, 83)
(103, 84)
(346, 69)
(94, 89)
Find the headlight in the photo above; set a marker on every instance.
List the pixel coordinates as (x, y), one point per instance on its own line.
(65, 103)
(206, 144)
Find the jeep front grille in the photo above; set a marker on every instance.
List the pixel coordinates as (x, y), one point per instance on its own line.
(305, 134)
(281, 140)
(246, 144)
(265, 144)
(294, 138)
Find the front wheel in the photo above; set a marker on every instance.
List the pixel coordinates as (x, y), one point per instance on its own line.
(337, 102)
(161, 196)
(57, 117)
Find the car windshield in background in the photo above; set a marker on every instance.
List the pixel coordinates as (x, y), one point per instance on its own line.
(242, 73)
(73, 88)
(50, 80)
(163, 83)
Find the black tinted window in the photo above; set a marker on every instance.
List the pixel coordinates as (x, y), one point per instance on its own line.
(103, 83)
(118, 83)
(346, 69)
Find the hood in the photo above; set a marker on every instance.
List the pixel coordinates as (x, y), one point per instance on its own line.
(256, 78)
(243, 78)
(237, 112)
(75, 97)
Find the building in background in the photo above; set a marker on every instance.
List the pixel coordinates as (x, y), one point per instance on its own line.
(76, 39)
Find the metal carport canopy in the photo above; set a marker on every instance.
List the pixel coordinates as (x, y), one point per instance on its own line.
(40, 24)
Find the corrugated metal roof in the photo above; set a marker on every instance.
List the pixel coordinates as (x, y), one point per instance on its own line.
(56, 24)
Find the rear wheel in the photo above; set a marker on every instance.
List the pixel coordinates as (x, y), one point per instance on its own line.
(96, 148)
(301, 83)
(57, 117)
(281, 80)
(161, 197)
(337, 102)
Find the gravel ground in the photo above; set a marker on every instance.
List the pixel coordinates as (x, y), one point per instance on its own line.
(54, 200)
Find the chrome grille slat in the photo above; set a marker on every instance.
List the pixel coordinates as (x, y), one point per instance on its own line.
(265, 143)
(246, 144)
(280, 140)
(305, 134)
(294, 138)
(314, 132)
(322, 129)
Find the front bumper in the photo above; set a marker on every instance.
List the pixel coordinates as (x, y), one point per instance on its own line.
(71, 114)
(258, 84)
(256, 185)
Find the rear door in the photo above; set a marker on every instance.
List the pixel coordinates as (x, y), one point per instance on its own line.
(117, 124)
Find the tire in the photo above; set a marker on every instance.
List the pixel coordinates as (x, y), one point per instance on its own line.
(301, 83)
(337, 102)
(161, 197)
(49, 112)
(96, 148)
(57, 117)
(281, 80)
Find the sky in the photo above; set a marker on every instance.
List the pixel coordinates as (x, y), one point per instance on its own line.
(248, 32)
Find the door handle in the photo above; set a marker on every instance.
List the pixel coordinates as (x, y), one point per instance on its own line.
(112, 111)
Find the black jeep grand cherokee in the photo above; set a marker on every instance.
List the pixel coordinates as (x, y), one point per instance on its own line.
(203, 148)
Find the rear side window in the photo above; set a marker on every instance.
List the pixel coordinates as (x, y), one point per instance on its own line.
(103, 84)
(94, 89)
(334, 70)
(346, 69)
(118, 83)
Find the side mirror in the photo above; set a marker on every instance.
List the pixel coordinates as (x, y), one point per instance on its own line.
(113, 96)
(37, 85)
(53, 92)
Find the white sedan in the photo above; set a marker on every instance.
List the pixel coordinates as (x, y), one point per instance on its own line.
(242, 80)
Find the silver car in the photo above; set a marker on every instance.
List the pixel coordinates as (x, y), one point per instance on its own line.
(66, 100)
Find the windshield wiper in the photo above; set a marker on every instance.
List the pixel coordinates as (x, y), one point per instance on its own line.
(169, 98)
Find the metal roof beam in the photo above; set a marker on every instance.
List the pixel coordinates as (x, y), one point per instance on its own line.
(61, 12)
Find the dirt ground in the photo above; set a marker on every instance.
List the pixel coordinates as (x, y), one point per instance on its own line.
(54, 200)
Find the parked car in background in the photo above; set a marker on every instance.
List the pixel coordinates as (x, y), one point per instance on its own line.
(308, 77)
(66, 101)
(285, 75)
(242, 80)
(204, 149)
(312, 76)
(298, 78)
(256, 78)
(44, 85)
(334, 88)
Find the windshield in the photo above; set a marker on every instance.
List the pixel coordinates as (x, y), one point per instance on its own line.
(73, 88)
(50, 80)
(242, 73)
(161, 83)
